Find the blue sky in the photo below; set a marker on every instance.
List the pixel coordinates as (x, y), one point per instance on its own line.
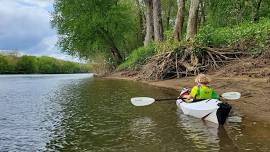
(25, 27)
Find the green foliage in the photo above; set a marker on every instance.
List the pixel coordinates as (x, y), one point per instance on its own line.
(48, 65)
(167, 46)
(90, 27)
(169, 8)
(11, 64)
(138, 57)
(231, 12)
(3, 64)
(256, 32)
(27, 65)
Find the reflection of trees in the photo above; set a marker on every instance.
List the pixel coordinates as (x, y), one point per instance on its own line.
(98, 116)
(203, 135)
(206, 135)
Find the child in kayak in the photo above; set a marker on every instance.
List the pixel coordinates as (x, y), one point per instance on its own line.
(201, 91)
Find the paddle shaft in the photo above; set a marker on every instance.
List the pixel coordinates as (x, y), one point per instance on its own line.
(168, 99)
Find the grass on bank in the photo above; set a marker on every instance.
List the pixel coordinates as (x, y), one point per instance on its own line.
(138, 57)
(256, 34)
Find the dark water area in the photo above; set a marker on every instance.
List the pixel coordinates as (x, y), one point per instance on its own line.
(80, 113)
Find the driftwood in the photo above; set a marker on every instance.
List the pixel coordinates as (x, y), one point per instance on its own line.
(185, 61)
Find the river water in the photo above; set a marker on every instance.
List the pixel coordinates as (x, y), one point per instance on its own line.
(80, 113)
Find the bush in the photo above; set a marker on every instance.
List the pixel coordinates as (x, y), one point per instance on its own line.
(48, 65)
(13, 64)
(138, 57)
(258, 32)
(3, 65)
(27, 65)
(101, 66)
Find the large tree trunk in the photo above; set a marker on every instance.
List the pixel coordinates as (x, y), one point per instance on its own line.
(114, 50)
(149, 22)
(179, 21)
(116, 55)
(141, 16)
(158, 27)
(257, 14)
(192, 19)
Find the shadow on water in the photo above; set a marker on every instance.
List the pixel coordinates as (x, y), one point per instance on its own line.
(205, 135)
(225, 142)
(235, 136)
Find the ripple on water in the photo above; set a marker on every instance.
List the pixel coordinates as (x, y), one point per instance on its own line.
(69, 113)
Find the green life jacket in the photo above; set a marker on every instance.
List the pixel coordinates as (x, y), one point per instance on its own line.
(205, 92)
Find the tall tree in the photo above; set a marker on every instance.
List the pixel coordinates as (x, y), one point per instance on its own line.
(89, 27)
(201, 18)
(141, 17)
(158, 27)
(192, 19)
(149, 22)
(179, 20)
(168, 15)
(257, 15)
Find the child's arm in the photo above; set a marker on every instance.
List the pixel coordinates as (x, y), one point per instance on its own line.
(194, 91)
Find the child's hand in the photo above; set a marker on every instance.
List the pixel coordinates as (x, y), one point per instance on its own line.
(187, 97)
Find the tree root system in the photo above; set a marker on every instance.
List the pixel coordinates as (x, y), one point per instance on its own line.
(187, 61)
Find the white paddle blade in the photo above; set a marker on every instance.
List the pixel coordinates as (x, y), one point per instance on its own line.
(142, 101)
(231, 95)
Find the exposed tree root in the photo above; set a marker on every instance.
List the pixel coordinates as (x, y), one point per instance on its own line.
(186, 61)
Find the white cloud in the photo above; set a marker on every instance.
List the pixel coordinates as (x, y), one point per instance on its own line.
(22, 26)
(25, 26)
(38, 3)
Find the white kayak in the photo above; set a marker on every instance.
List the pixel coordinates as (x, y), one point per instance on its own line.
(210, 109)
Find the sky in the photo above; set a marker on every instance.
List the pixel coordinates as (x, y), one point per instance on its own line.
(25, 27)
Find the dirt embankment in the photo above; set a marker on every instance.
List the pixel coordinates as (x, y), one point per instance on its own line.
(250, 77)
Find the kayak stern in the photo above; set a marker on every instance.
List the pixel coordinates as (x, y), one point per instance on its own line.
(211, 110)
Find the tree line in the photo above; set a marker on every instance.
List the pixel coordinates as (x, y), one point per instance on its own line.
(14, 64)
(115, 28)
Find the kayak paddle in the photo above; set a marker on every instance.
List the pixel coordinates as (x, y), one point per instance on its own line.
(144, 101)
(231, 95)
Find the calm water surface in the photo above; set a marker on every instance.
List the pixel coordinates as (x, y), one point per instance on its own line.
(82, 113)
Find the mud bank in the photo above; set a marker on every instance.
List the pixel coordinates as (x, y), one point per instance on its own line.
(254, 103)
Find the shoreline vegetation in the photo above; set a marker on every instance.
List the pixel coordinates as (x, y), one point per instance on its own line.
(164, 40)
(15, 64)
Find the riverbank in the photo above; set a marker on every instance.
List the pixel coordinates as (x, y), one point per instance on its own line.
(253, 104)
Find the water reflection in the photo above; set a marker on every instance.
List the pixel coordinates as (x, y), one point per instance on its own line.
(225, 142)
(206, 135)
(96, 116)
(70, 114)
(26, 113)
